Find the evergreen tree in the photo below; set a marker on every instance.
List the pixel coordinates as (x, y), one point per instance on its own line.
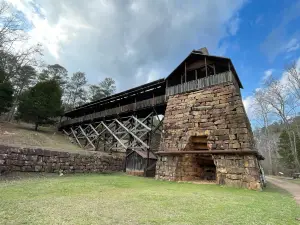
(6, 93)
(105, 88)
(75, 90)
(41, 103)
(285, 150)
(55, 72)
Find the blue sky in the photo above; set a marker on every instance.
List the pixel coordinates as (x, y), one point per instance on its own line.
(136, 41)
(267, 39)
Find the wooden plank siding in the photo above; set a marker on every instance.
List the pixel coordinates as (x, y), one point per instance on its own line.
(201, 83)
(117, 110)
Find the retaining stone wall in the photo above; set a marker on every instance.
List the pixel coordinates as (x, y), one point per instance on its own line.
(39, 160)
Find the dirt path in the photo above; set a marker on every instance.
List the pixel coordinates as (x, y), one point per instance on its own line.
(294, 189)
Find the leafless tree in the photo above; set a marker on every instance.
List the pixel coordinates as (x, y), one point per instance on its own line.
(293, 79)
(283, 105)
(15, 53)
(262, 112)
(12, 26)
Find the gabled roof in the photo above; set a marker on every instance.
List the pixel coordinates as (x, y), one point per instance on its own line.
(120, 95)
(143, 154)
(196, 54)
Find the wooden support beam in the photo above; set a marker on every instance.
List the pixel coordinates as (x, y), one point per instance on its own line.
(212, 152)
(121, 143)
(76, 138)
(132, 134)
(94, 129)
(87, 138)
(144, 125)
(66, 132)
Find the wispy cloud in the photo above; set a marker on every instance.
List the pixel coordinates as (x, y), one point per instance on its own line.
(292, 45)
(279, 38)
(233, 26)
(267, 74)
(259, 19)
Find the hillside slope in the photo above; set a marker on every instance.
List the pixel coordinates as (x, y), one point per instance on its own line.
(23, 135)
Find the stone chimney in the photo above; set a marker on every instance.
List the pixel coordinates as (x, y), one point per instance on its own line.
(204, 51)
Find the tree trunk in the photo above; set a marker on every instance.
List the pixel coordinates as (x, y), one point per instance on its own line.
(36, 126)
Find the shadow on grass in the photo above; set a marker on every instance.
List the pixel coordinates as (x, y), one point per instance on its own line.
(273, 188)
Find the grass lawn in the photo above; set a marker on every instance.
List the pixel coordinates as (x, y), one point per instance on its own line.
(289, 179)
(121, 199)
(296, 181)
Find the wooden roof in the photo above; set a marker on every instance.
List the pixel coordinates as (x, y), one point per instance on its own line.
(196, 55)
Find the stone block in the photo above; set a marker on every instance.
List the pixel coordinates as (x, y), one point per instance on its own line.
(221, 132)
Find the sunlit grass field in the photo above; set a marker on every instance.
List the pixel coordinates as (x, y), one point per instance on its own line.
(121, 199)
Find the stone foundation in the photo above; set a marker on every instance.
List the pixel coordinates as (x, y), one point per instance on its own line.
(238, 171)
(14, 159)
(231, 170)
(212, 119)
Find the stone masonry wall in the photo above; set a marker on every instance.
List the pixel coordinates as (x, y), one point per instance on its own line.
(232, 170)
(39, 160)
(218, 114)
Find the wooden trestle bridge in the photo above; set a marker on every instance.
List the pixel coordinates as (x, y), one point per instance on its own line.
(132, 120)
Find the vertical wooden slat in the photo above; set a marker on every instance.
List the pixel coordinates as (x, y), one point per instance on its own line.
(205, 66)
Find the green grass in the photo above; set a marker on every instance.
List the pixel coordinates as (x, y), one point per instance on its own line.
(120, 199)
(288, 179)
(296, 181)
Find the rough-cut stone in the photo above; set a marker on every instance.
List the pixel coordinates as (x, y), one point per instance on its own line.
(216, 113)
(40, 160)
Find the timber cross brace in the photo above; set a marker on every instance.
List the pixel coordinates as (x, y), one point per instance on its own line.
(205, 133)
(117, 135)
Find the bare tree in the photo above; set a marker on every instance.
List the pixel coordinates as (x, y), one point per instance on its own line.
(293, 79)
(15, 53)
(262, 111)
(12, 26)
(283, 105)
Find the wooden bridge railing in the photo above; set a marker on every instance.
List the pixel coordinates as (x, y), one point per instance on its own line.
(201, 83)
(117, 110)
(181, 88)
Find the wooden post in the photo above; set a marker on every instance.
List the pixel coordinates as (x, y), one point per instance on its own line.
(196, 75)
(76, 138)
(153, 103)
(205, 66)
(229, 68)
(214, 69)
(185, 72)
(166, 93)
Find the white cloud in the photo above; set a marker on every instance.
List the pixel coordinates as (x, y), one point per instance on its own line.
(292, 45)
(267, 74)
(285, 76)
(248, 104)
(234, 26)
(279, 38)
(119, 39)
